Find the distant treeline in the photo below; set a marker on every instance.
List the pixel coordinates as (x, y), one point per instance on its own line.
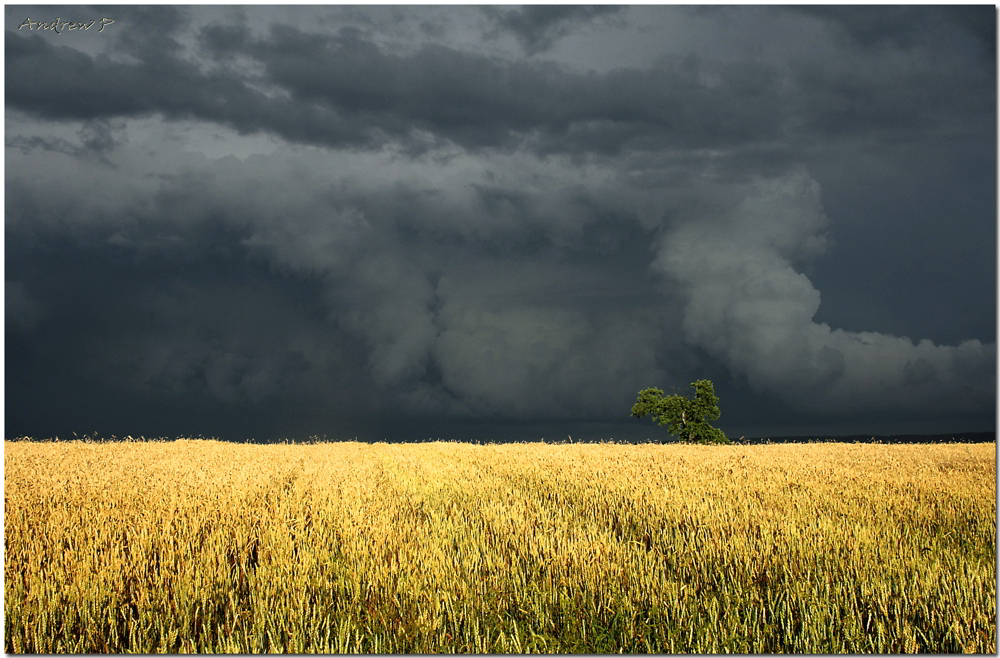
(964, 437)
(961, 437)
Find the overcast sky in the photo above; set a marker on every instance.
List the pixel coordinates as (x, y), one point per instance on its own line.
(498, 222)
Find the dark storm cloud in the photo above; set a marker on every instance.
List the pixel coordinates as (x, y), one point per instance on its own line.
(345, 89)
(910, 27)
(423, 227)
(881, 87)
(97, 139)
(127, 349)
(418, 280)
(61, 83)
(481, 101)
(750, 307)
(538, 26)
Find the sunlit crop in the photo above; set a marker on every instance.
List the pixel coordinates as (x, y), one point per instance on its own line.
(204, 546)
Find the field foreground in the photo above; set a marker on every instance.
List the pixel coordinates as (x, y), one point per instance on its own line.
(204, 546)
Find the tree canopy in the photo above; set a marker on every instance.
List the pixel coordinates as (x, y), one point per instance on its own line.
(687, 419)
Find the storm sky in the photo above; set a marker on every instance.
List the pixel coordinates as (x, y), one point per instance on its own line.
(490, 223)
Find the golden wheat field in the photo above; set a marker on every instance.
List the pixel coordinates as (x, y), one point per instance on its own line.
(205, 546)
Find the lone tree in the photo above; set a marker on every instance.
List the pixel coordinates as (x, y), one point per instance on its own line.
(685, 418)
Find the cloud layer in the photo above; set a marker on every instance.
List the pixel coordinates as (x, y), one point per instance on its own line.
(749, 307)
(365, 221)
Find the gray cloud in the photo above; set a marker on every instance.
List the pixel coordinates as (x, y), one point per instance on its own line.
(345, 89)
(97, 138)
(537, 27)
(317, 221)
(909, 27)
(442, 332)
(23, 310)
(748, 306)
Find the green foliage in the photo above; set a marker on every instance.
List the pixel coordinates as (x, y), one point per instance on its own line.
(688, 419)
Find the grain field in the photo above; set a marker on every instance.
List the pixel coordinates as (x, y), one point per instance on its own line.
(206, 546)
